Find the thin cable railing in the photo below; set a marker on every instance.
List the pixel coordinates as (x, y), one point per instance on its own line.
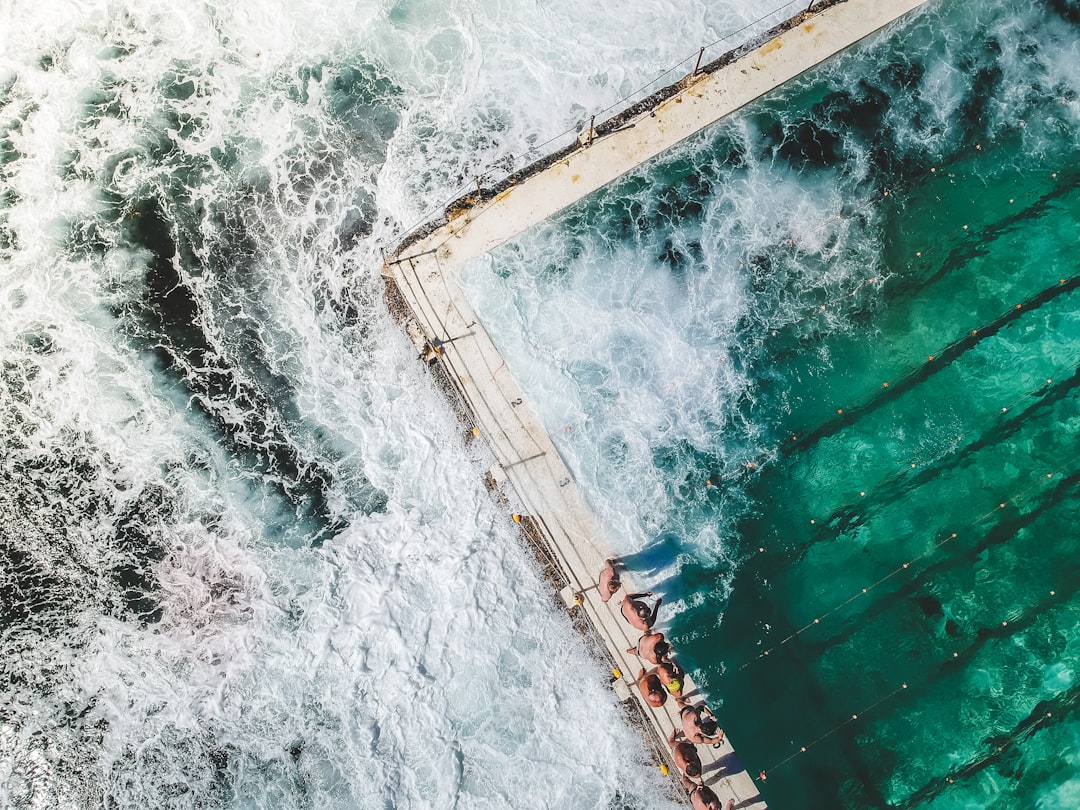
(508, 169)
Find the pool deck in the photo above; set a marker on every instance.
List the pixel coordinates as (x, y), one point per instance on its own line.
(529, 473)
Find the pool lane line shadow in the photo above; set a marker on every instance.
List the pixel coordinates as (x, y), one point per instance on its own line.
(910, 379)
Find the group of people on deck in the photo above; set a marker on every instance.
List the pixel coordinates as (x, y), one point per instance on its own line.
(665, 678)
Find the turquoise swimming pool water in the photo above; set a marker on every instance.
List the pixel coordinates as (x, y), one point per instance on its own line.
(818, 372)
(931, 460)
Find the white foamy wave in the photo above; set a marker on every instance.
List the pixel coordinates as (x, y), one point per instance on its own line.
(636, 331)
(189, 656)
(499, 87)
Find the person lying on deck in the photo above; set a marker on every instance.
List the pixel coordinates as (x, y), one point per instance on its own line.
(702, 797)
(699, 725)
(609, 579)
(685, 755)
(651, 647)
(638, 613)
(651, 688)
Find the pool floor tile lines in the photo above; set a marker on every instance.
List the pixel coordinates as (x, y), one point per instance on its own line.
(1049, 492)
(976, 240)
(905, 480)
(944, 655)
(964, 557)
(799, 442)
(907, 476)
(1044, 716)
(1045, 601)
(913, 377)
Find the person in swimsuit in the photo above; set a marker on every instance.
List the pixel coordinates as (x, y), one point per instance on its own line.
(651, 647)
(609, 579)
(703, 798)
(638, 613)
(697, 727)
(686, 756)
(672, 677)
(651, 689)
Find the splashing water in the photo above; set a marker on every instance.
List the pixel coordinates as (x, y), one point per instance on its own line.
(816, 369)
(247, 559)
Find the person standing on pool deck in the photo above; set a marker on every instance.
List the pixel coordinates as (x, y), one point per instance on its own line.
(702, 797)
(651, 688)
(686, 756)
(638, 613)
(651, 647)
(609, 579)
(672, 676)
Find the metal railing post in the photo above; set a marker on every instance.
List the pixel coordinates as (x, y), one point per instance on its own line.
(697, 65)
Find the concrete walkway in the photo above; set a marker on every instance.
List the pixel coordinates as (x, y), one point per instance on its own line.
(529, 469)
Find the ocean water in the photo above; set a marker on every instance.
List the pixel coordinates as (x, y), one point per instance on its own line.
(817, 371)
(246, 556)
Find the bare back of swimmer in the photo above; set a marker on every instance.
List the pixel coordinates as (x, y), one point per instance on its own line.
(695, 729)
(651, 689)
(686, 756)
(703, 798)
(638, 613)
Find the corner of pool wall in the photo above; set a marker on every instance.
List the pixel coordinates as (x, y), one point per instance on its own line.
(421, 275)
